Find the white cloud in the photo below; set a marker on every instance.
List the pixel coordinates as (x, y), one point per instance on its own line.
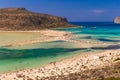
(98, 11)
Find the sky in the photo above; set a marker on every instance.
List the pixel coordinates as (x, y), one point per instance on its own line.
(73, 10)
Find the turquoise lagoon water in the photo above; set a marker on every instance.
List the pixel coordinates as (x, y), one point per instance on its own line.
(35, 55)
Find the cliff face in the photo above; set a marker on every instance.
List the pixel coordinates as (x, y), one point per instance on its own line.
(22, 19)
(117, 20)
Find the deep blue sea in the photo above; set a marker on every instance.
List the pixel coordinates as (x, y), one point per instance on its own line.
(91, 24)
(102, 31)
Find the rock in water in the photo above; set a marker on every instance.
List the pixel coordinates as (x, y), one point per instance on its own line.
(117, 20)
(22, 19)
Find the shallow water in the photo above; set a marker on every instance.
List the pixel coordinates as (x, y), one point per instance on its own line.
(39, 54)
(34, 55)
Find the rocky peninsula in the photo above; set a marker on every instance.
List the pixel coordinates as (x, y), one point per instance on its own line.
(22, 19)
(117, 20)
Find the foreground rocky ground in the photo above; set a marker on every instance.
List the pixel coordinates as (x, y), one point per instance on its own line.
(110, 72)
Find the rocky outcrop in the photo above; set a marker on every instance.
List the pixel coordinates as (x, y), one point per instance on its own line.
(22, 19)
(117, 20)
(111, 72)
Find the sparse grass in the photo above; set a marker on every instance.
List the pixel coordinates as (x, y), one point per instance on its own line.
(112, 78)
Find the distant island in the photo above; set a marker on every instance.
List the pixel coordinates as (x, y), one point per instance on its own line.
(117, 20)
(22, 19)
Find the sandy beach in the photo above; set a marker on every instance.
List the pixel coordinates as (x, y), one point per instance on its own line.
(47, 36)
(42, 36)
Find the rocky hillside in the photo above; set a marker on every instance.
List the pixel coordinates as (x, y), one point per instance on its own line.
(117, 20)
(22, 19)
